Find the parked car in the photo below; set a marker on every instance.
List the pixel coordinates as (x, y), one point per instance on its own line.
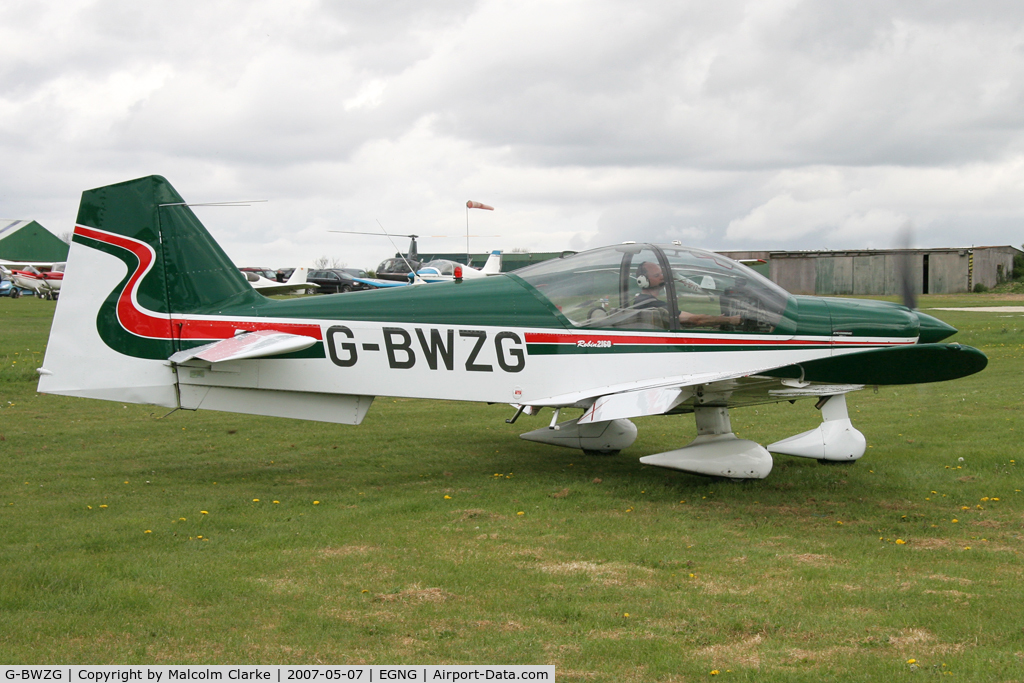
(268, 273)
(7, 287)
(334, 280)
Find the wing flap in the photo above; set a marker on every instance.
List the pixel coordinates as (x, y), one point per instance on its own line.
(635, 404)
(812, 390)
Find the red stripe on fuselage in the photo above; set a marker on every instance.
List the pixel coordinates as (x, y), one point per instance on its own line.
(572, 339)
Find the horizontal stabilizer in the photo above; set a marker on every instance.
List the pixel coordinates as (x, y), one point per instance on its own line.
(244, 346)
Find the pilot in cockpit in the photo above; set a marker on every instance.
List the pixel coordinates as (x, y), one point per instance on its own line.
(651, 280)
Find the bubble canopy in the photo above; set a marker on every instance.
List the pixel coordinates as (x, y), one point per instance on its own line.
(659, 287)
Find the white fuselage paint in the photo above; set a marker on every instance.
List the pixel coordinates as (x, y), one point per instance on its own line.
(469, 363)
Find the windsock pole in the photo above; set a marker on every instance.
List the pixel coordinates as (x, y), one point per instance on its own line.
(473, 205)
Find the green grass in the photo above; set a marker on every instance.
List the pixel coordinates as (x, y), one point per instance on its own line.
(417, 553)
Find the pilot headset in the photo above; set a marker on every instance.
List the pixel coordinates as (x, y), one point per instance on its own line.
(641, 276)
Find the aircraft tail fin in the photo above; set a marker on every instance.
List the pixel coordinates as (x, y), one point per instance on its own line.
(493, 265)
(139, 259)
(298, 276)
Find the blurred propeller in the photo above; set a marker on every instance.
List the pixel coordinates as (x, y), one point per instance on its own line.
(905, 266)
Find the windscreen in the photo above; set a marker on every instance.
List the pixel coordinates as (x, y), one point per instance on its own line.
(442, 266)
(718, 292)
(584, 287)
(630, 287)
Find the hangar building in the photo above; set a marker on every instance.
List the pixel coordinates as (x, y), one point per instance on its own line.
(877, 271)
(28, 241)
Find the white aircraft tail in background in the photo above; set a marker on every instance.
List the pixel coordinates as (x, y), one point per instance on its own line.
(493, 265)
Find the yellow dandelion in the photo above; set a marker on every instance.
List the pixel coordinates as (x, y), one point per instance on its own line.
(520, 513)
(203, 512)
(89, 506)
(103, 506)
(911, 661)
(316, 502)
(715, 672)
(839, 522)
(447, 497)
(900, 541)
(626, 614)
(148, 531)
(365, 591)
(181, 519)
(255, 500)
(954, 520)
(995, 499)
(276, 502)
(984, 498)
(198, 536)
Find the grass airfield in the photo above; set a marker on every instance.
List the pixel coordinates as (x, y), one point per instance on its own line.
(433, 534)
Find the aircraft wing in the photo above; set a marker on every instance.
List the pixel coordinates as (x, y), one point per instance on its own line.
(380, 284)
(731, 392)
(906, 364)
(261, 344)
(666, 394)
(284, 288)
(42, 266)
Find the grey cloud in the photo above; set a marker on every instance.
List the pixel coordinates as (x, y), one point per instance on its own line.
(732, 124)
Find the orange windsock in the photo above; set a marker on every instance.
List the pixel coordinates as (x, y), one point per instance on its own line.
(477, 205)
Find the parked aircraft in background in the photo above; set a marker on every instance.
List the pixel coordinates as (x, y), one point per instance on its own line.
(442, 270)
(259, 280)
(613, 333)
(45, 284)
(401, 267)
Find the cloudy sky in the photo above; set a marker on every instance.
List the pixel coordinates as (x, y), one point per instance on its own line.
(765, 124)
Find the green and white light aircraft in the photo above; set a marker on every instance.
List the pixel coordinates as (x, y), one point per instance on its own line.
(153, 311)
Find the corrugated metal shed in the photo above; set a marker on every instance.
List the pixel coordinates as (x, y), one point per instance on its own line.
(877, 271)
